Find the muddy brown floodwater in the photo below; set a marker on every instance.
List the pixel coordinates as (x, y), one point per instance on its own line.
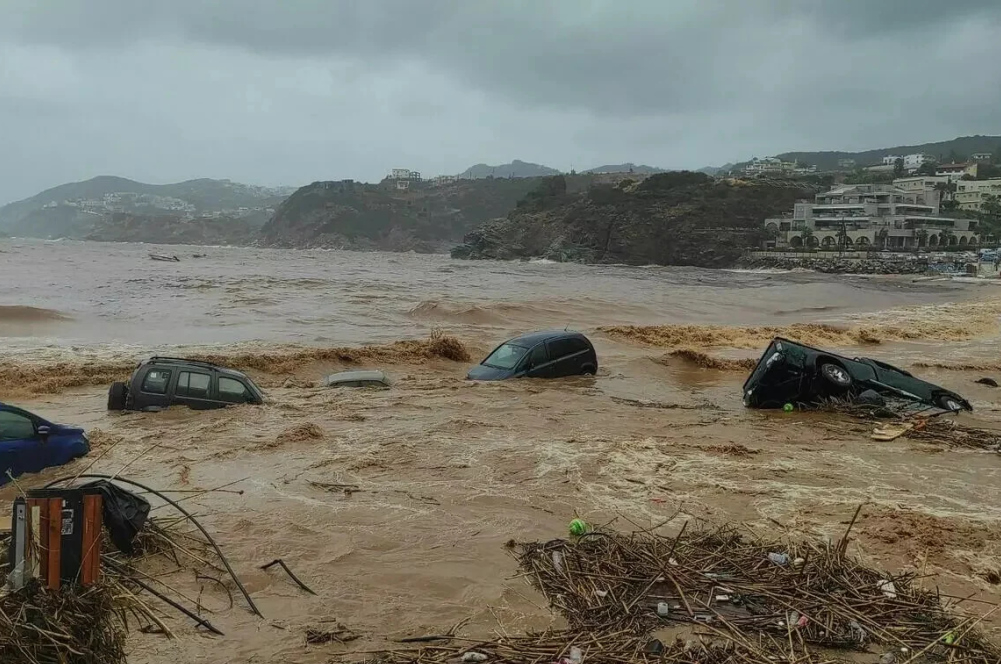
(442, 472)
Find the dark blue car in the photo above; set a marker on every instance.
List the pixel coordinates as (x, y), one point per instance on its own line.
(29, 444)
(539, 355)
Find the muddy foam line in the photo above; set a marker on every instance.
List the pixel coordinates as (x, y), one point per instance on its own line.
(946, 322)
(48, 376)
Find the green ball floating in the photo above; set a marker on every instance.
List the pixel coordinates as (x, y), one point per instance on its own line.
(578, 527)
(788, 408)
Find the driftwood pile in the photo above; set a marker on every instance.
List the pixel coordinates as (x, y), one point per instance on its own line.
(87, 626)
(557, 647)
(926, 424)
(90, 625)
(739, 599)
(75, 625)
(746, 588)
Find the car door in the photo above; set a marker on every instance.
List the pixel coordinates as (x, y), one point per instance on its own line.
(154, 387)
(194, 388)
(21, 449)
(232, 390)
(537, 363)
(565, 354)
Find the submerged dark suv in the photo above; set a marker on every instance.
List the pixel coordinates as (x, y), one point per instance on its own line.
(160, 382)
(539, 355)
(791, 372)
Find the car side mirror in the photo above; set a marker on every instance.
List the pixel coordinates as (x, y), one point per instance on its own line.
(43, 432)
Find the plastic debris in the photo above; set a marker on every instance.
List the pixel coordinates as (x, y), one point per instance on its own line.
(888, 588)
(576, 655)
(799, 562)
(578, 527)
(779, 558)
(474, 657)
(663, 609)
(558, 561)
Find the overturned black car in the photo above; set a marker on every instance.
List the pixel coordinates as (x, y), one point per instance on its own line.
(791, 372)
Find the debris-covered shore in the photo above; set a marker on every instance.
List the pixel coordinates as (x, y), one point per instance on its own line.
(742, 598)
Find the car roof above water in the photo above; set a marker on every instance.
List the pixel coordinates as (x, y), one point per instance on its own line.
(532, 338)
(175, 361)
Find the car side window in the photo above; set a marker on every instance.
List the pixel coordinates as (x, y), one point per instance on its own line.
(232, 390)
(14, 426)
(538, 356)
(156, 381)
(193, 384)
(559, 348)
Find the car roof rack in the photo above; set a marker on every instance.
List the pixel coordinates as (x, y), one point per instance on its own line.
(165, 358)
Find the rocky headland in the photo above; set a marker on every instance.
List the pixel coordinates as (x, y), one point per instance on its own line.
(675, 218)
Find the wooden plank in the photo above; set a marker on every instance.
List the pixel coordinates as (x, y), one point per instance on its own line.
(55, 542)
(42, 533)
(90, 566)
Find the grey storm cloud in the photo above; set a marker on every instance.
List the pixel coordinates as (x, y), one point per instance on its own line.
(680, 83)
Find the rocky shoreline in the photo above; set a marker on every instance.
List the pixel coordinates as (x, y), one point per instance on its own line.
(836, 265)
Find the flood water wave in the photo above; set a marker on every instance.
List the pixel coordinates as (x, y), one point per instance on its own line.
(270, 364)
(951, 322)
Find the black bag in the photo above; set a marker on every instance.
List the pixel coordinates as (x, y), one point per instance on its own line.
(124, 514)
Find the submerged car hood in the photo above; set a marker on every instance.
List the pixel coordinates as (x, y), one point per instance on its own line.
(483, 372)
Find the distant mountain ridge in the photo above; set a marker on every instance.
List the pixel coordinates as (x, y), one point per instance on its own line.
(72, 210)
(628, 167)
(516, 169)
(524, 169)
(963, 146)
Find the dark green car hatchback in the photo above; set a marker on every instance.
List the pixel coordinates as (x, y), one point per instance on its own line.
(790, 372)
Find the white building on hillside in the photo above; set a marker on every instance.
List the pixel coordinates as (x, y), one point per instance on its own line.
(970, 194)
(775, 166)
(912, 162)
(442, 180)
(857, 217)
(405, 174)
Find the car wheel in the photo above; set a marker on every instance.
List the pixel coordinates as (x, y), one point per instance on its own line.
(116, 396)
(950, 403)
(587, 371)
(836, 375)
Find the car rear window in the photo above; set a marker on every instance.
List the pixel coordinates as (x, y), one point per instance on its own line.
(562, 347)
(232, 390)
(193, 384)
(156, 381)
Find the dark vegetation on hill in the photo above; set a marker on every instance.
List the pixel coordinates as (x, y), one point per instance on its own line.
(677, 218)
(423, 218)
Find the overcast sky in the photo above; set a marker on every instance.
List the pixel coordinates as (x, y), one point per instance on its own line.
(292, 91)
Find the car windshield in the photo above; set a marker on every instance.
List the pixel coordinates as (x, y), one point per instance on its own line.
(505, 357)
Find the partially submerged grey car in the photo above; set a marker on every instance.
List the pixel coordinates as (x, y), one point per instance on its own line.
(372, 378)
(161, 382)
